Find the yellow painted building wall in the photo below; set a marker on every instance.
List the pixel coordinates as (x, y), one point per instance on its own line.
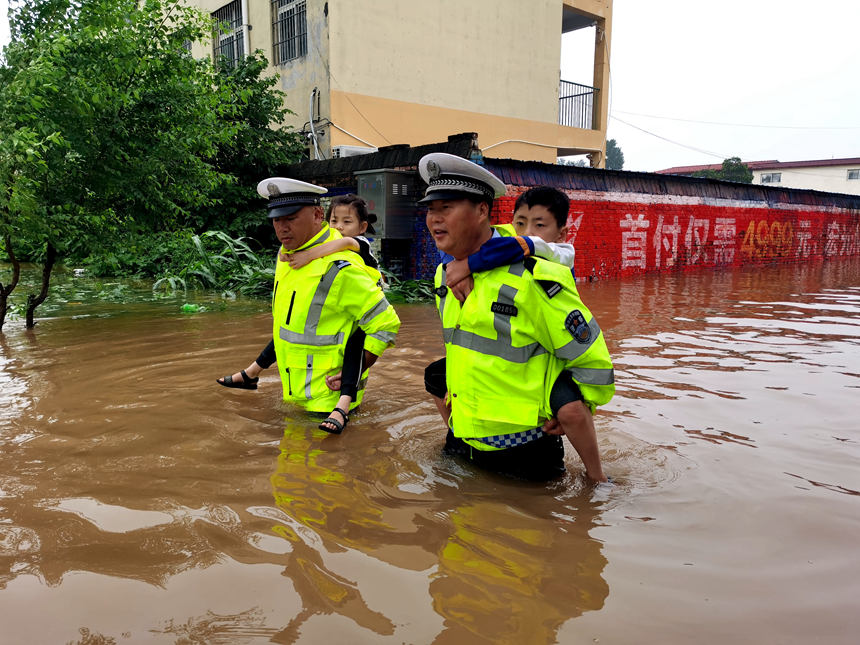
(400, 71)
(483, 56)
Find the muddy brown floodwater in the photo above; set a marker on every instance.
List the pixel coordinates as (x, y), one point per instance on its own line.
(142, 503)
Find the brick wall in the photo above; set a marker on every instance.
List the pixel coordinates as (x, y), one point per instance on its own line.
(618, 234)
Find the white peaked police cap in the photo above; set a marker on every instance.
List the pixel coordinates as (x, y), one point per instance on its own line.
(287, 196)
(451, 177)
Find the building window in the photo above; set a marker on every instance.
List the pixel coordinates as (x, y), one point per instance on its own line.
(771, 177)
(854, 174)
(228, 45)
(289, 30)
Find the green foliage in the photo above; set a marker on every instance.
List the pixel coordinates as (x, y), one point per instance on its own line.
(407, 290)
(143, 255)
(614, 156)
(235, 268)
(110, 129)
(256, 149)
(733, 170)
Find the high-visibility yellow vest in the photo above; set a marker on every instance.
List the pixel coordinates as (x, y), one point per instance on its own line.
(506, 230)
(315, 310)
(507, 344)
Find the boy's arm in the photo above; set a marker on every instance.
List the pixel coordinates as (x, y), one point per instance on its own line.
(300, 258)
(563, 254)
(500, 251)
(495, 252)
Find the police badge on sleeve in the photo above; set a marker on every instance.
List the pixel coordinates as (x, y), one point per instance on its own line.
(575, 323)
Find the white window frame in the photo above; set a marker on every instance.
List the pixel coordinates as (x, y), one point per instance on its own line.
(853, 174)
(771, 177)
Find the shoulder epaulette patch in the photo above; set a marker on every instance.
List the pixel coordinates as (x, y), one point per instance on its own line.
(550, 287)
(341, 263)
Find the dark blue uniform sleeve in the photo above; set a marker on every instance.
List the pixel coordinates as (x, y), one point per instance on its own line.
(500, 251)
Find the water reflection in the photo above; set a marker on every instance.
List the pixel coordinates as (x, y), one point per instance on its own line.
(144, 504)
(501, 560)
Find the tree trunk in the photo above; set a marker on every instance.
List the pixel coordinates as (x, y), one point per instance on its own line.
(6, 291)
(35, 301)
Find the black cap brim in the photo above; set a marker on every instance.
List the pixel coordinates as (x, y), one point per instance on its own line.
(290, 209)
(449, 194)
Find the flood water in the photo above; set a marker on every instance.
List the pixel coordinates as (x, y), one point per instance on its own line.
(142, 503)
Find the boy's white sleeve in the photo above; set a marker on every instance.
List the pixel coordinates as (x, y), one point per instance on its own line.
(559, 253)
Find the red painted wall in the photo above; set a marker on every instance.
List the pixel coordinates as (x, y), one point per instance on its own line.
(618, 234)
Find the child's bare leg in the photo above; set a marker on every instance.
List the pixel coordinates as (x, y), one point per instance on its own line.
(343, 403)
(347, 381)
(443, 408)
(264, 360)
(578, 425)
(253, 371)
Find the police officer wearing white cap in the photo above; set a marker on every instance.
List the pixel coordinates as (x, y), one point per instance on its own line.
(523, 353)
(316, 308)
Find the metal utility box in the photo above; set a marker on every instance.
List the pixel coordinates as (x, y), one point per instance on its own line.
(391, 195)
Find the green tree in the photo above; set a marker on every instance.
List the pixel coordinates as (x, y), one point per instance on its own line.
(259, 146)
(733, 170)
(116, 127)
(614, 156)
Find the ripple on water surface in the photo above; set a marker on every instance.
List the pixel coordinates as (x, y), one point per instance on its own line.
(129, 479)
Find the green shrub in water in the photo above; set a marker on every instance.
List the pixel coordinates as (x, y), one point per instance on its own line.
(232, 268)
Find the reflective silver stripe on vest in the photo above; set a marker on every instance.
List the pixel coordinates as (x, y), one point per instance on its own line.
(378, 308)
(310, 339)
(502, 346)
(320, 296)
(517, 269)
(592, 376)
(309, 375)
(322, 239)
(511, 440)
(442, 298)
(492, 347)
(574, 349)
(502, 323)
(384, 336)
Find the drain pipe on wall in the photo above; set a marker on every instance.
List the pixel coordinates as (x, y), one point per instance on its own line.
(246, 41)
(313, 133)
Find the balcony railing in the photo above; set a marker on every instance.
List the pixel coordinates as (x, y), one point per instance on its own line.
(576, 105)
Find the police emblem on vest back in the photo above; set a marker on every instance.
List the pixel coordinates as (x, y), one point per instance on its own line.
(576, 325)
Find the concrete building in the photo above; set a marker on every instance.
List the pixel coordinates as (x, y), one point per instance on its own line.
(363, 74)
(827, 175)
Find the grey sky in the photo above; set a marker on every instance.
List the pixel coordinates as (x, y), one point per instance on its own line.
(745, 62)
(757, 62)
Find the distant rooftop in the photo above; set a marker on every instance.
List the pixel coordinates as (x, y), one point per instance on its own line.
(771, 164)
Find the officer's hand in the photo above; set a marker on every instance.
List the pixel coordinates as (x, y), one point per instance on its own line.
(299, 259)
(552, 426)
(333, 381)
(462, 289)
(455, 271)
(283, 257)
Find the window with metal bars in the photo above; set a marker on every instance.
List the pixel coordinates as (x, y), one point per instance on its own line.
(289, 30)
(228, 44)
(854, 173)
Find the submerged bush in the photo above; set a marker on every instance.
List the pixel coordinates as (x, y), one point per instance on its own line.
(407, 290)
(226, 264)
